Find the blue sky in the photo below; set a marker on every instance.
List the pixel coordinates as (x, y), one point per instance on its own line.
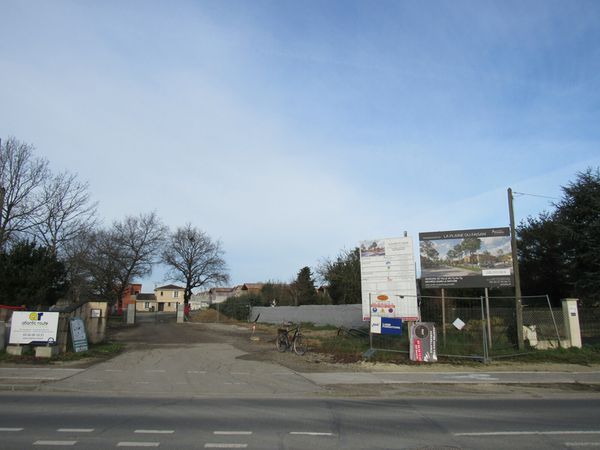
(291, 130)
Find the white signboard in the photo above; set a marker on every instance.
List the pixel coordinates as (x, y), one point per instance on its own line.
(376, 324)
(78, 336)
(388, 279)
(33, 326)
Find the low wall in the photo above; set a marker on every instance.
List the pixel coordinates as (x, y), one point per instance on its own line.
(95, 327)
(349, 316)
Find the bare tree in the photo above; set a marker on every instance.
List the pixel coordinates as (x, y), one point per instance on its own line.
(126, 251)
(194, 259)
(66, 211)
(21, 179)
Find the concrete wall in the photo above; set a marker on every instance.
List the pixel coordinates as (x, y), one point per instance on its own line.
(95, 327)
(349, 316)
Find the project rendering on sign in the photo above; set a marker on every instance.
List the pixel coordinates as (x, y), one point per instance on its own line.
(32, 326)
(388, 279)
(479, 258)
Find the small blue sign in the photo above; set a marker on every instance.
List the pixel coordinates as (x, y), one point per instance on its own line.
(390, 325)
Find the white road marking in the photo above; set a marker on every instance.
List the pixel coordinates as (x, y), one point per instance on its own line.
(57, 443)
(237, 384)
(525, 433)
(155, 431)
(32, 378)
(582, 444)
(240, 373)
(142, 382)
(113, 370)
(11, 429)
(75, 430)
(310, 433)
(233, 433)
(138, 444)
(218, 445)
(196, 371)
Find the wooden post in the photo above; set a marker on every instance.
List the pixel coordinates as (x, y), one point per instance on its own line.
(515, 260)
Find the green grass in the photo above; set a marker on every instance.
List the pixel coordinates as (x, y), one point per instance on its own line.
(583, 356)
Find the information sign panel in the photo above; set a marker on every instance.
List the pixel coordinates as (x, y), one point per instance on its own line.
(476, 258)
(388, 279)
(78, 336)
(32, 326)
(423, 342)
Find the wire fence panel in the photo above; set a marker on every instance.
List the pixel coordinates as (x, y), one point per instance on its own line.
(459, 323)
(589, 323)
(481, 328)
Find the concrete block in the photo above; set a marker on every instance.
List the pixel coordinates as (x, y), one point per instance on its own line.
(46, 351)
(17, 350)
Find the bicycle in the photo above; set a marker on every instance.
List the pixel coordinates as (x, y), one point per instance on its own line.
(291, 338)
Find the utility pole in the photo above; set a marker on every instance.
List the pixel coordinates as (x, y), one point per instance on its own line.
(515, 260)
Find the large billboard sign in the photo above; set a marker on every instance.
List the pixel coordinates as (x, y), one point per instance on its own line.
(476, 258)
(388, 279)
(33, 326)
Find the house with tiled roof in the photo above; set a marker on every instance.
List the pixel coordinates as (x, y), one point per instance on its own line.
(168, 297)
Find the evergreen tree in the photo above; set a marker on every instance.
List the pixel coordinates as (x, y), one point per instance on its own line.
(304, 288)
(559, 252)
(31, 275)
(343, 277)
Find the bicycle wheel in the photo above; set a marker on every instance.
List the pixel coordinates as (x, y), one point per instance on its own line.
(281, 342)
(300, 345)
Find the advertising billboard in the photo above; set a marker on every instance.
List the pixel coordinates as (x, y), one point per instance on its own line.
(423, 342)
(388, 279)
(476, 258)
(33, 326)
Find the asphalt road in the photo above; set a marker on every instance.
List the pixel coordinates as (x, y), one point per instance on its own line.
(32, 420)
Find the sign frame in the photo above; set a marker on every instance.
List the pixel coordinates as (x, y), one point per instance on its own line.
(29, 327)
(474, 258)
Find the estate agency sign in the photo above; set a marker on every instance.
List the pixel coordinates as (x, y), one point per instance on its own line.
(33, 326)
(476, 258)
(388, 279)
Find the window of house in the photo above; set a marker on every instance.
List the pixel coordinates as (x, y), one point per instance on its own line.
(175, 294)
(147, 305)
(169, 304)
(161, 293)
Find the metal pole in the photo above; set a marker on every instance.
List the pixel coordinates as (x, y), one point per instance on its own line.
(483, 335)
(370, 330)
(515, 260)
(489, 322)
(554, 321)
(218, 312)
(444, 316)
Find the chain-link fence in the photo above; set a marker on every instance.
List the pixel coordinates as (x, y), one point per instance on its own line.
(589, 323)
(482, 328)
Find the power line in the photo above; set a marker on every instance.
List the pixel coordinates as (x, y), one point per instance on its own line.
(536, 195)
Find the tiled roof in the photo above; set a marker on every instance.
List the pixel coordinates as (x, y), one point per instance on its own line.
(169, 287)
(145, 297)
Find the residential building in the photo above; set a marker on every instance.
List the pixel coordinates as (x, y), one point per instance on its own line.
(168, 297)
(146, 303)
(129, 296)
(219, 294)
(200, 300)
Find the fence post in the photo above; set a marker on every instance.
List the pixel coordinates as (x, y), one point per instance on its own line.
(489, 322)
(444, 316)
(571, 319)
(484, 333)
(554, 322)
